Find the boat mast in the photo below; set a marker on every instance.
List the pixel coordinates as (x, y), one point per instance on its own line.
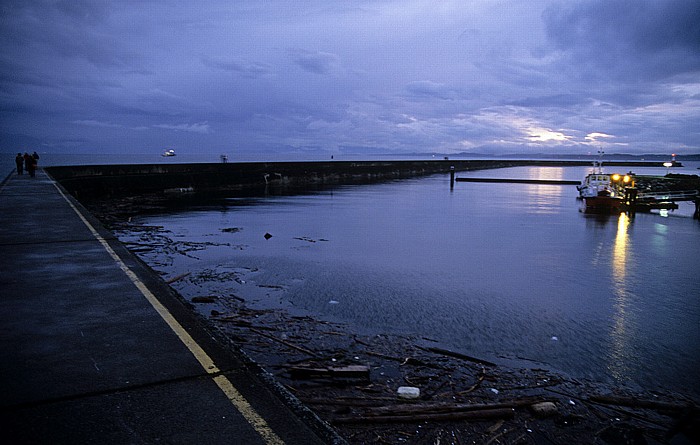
(598, 163)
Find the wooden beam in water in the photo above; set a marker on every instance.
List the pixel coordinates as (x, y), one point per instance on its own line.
(520, 181)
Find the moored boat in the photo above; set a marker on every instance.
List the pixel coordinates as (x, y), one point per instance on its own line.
(603, 202)
(169, 152)
(604, 192)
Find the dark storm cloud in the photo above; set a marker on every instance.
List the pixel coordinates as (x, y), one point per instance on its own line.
(630, 39)
(399, 76)
(428, 89)
(557, 100)
(65, 29)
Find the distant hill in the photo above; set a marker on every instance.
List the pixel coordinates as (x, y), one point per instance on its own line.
(616, 156)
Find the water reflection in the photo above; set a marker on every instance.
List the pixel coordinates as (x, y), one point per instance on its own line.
(621, 335)
(544, 198)
(553, 173)
(477, 270)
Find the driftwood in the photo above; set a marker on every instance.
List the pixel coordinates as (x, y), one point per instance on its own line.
(636, 403)
(409, 409)
(204, 299)
(234, 320)
(405, 361)
(348, 401)
(286, 343)
(481, 378)
(176, 278)
(456, 355)
(503, 413)
(342, 372)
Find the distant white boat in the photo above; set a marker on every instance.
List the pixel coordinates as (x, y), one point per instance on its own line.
(169, 152)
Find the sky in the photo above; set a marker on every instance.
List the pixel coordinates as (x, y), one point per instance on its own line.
(350, 77)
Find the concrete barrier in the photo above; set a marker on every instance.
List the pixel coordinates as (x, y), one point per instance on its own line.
(120, 180)
(117, 180)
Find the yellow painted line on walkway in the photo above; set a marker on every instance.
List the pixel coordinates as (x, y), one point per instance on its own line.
(236, 398)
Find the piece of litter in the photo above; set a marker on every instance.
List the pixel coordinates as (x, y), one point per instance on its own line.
(408, 392)
(554, 339)
(332, 302)
(543, 409)
(571, 402)
(494, 390)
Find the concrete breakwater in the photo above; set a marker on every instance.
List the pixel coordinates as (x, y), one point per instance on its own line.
(123, 180)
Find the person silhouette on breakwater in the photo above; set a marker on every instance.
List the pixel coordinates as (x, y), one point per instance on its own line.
(30, 164)
(19, 161)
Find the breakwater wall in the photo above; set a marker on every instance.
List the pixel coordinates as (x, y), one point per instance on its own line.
(86, 181)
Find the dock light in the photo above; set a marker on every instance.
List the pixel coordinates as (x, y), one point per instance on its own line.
(626, 179)
(668, 165)
(615, 177)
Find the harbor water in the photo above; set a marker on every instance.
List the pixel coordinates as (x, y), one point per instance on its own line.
(511, 273)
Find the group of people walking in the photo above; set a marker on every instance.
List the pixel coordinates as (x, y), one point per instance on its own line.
(27, 162)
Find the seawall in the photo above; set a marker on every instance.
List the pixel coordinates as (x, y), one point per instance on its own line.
(120, 180)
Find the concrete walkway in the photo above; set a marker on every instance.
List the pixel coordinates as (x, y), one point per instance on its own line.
(96, 349)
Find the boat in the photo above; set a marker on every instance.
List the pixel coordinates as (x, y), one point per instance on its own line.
(604, 192)
(169, 152)
(604, 201)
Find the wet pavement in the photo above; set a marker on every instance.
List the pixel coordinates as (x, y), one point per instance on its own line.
(97, 349)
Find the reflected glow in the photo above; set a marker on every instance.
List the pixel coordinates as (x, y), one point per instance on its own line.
(545, 173)
(544, 198)
(620, 335)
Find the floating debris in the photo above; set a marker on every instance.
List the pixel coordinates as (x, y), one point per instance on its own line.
(177, 278)
(544, 409)
(408, 392)
(204, 299)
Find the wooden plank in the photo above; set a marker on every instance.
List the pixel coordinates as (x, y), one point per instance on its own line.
(505, 413)
(520, 181)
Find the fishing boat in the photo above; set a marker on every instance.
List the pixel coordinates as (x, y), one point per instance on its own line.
(604, 192)
(168, 153)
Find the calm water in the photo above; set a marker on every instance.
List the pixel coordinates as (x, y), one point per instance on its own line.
(499, 271)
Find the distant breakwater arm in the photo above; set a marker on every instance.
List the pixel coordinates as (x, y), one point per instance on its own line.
(122, 180)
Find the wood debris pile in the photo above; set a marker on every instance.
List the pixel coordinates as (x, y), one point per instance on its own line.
(351, 382)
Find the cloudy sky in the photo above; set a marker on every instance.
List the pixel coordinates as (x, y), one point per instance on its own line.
(338, 77)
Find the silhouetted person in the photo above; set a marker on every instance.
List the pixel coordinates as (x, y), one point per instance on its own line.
(29, 164)
(19, 160)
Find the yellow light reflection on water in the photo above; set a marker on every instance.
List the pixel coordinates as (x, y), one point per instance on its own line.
(621, 329)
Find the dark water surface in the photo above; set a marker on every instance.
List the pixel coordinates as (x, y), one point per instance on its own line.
(498, 271)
